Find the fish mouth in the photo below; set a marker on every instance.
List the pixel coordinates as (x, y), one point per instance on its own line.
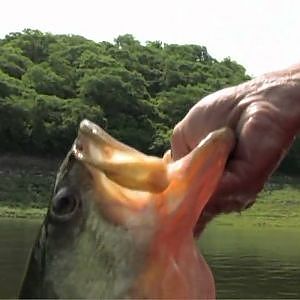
(121, 163)
(125, 177)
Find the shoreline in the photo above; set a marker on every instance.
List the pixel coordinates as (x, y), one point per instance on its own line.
(264, 213)
(7, 211)
(224, 220)
(26, 184)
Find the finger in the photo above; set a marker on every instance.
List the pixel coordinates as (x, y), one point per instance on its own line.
(179, 147)
(263, 142)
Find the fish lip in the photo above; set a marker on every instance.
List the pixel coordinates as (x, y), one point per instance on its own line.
(88, 127)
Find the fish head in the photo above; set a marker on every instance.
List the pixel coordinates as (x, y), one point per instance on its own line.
(119, 220)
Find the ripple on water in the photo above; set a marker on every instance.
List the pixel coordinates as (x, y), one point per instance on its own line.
(253, 264)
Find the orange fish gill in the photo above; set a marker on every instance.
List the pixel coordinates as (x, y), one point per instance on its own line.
(120, 223)
(162, 196)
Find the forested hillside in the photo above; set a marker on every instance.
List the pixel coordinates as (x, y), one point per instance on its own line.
(137, 92)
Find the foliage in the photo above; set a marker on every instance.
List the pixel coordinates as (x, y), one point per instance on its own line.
(48, 83)
(45, 125)
(291, 164)
(9, 85)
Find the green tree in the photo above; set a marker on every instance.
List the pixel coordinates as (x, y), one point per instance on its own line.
(14, 125)
(33, 43)
(48, 83)
(10, 86)
(55, 122)
(43, 80)
(12, 62)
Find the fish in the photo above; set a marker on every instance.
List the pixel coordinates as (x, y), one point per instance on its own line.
(120, 223)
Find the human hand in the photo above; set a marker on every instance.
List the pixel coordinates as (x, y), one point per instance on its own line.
(265, 115)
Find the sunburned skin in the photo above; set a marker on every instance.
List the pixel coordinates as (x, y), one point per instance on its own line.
(138, 210)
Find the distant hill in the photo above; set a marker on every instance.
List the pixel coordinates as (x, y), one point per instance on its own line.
(48, 83)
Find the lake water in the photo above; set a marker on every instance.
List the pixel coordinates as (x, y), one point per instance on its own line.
(247, 263)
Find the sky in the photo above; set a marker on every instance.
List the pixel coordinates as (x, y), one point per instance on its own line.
(262, 35)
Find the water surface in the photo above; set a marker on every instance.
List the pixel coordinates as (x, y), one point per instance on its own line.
(247, 263)
(254, 262)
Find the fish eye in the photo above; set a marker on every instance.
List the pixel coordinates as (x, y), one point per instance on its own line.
(64, 205)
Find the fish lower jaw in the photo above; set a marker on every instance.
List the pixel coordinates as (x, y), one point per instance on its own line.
(183, 274)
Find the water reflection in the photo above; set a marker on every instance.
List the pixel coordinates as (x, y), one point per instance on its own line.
(247, 263)
(16, 238)
(254, 263)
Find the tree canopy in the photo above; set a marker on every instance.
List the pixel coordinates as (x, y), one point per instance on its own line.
(137, 92)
